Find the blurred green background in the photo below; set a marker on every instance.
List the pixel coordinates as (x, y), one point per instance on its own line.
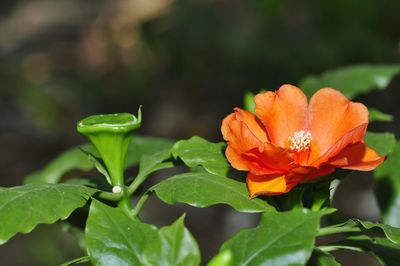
(188, 63)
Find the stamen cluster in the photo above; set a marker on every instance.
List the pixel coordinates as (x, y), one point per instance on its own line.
(300, 141)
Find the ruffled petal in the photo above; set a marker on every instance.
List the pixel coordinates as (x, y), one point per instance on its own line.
(331, 116)
(357, 156)
(282, 112)
(243, 131)
(351, 137)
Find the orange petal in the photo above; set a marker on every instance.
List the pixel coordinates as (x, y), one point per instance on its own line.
(236, 159)
(269, 184)
(357, 156)
(282, 112)
(243, 131)
(349, 138)
(331, 116)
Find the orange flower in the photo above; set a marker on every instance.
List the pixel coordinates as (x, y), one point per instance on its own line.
(289, 141)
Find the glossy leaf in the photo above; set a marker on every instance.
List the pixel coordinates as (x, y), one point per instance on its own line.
(175, 246)
(281, 238)
(76, 261)
(203, 189)
(197, 151)
(151, 163)
(24, 207)
(383, 143)
(114, 238)
(75, 159)
(351, 80)
(387, 187)
(378, 116)
(99, 164)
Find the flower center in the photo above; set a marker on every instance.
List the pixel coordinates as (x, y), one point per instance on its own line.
(300, 141)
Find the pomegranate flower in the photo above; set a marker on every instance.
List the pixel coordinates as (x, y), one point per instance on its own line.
(289, 141)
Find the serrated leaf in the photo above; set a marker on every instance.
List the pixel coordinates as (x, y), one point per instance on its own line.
(387, 187)
(197, 151)
(378, 116)
(74, 159)
(175, 246)
(383, 143)
(114, 238)
(24, 207)
(351, 80)
(203, 189)
(281, 238)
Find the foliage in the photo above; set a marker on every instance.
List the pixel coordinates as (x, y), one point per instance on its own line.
(285, 235)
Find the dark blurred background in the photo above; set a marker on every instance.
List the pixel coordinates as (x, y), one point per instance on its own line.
(188, 63)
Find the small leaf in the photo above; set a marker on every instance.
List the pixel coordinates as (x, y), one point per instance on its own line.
(376, 115)
(387, 187)
(24, 207)
(249, 103)
(99, 164)
(203, 189)
(281, 238)
(197, 151)
(175, 246)
(76, 261)
(321, 258)
(114, 238)
(225, 258)
(383, 143)
(351, 80)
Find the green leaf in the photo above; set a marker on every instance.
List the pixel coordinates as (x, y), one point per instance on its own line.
(248, 101)
(281, 238)
(24, 207)
(197, 151)
(72, 159)
(154, 162)
(321, 258)
(386, 252)
(387, 187)
(225, 258)
(383, 143)
(351, 80)
(204, 189)
(376, 115)
(99, 164)
(175, 247)
(114, 238)
(76, 261)
(75, 159)
(392, 233)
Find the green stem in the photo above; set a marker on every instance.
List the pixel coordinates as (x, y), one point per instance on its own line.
(136, 183)
(109, 196)
(140, 203)
(125, 201)
(329, 248)
(337, 230)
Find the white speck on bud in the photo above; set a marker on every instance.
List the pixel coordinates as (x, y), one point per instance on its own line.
(116, 189)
